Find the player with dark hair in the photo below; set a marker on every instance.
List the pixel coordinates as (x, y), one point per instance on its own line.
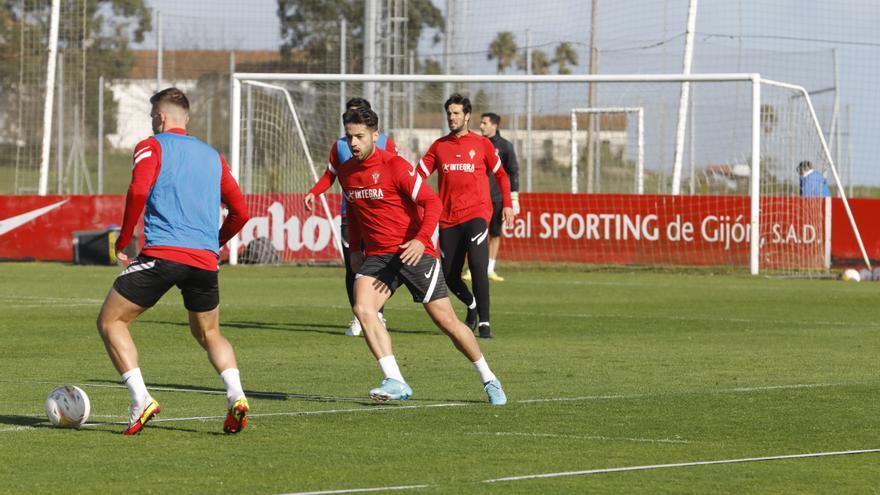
(393, 214)
(339, 154)
(489, 127)
(812, 183)
(463, 160)
(182, 182)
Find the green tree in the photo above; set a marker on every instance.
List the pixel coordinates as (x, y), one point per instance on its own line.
(105, 34)
(306, 29)
(503, 49)
(565, 56)
(540, 62)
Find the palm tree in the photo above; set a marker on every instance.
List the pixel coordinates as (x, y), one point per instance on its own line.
(540, 62)
(564, 56)
(503, 48)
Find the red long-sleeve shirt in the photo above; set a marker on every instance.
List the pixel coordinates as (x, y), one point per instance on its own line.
(384, 194)
(147, 163)
(463, 165)
(334, 162)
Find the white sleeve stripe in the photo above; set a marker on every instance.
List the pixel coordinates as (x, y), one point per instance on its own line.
(140, 157)
(495, 168)
(330, 168)
(424, 168)
(142, 150)
(416, 187)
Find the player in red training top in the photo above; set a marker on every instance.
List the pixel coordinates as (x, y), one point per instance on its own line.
(385, 195)
(463, 160)
(181, 182)
(339, 153)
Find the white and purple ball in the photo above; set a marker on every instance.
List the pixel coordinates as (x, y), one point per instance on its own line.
(68, 407)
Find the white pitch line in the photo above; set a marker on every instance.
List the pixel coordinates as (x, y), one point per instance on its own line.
(363, 490)
(581, 398)
(793, 386)
(782, 387)
(578, 437)
(16, 428)
(462, 404)
(681, 464)
(295, 413)
(453, 404)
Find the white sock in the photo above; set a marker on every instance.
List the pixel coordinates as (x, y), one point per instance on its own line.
(136, 387)
(482, 367)
(389, 367)
(232, 379)
(491, 265)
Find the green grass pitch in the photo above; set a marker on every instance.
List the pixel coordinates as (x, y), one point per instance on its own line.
(603, 370)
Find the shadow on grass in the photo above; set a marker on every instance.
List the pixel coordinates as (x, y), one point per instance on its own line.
(258, 394)
(96, 426)
(334, 330)
(283, 396)
(30, 421)
(116, 428)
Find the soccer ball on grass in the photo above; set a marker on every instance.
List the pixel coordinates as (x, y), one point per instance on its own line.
(851, 275)
(68, 407)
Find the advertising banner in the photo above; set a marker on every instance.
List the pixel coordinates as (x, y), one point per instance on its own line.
(609, 229)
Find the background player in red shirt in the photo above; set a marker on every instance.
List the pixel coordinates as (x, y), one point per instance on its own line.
(463, 160)
(385, 195)
(182, 182)
(339, 154)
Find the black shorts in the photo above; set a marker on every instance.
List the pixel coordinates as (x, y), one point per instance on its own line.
(425, 280)
(495, 221)
(147, 279)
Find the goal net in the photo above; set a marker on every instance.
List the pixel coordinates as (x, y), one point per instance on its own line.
(740, 200)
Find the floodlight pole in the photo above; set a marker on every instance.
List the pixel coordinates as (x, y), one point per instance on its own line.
(370, 15)
(234, 142)
(685, 95)
(529, 103)
(50, 98)
(159, 49)
(591, 94)
(343, 32)
(101, 135)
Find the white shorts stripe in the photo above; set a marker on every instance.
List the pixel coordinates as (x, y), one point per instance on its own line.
(136, 267)
(416, 187)
(482, 237)
(430, 291)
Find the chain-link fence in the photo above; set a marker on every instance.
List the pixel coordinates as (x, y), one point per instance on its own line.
(126, 50)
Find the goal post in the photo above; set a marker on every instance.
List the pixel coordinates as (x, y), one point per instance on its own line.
(299, 137)
(639, 113)
(826, 152)
(745, 207)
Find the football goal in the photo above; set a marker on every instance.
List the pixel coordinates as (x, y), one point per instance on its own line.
(740, 199)
(631, 114)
